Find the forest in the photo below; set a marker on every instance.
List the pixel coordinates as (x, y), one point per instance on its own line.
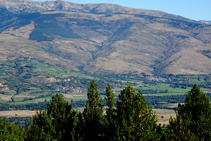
(128, 118)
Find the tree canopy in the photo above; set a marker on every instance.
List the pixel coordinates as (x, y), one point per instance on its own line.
(135, 120)
(194, 116)
(128, 119)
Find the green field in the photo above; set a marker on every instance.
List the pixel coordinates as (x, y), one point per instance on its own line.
(35, 78)
(164, 111)
(76, 98)
(164, 89)
(2, 101)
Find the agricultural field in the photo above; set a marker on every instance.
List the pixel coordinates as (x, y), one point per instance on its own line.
(17, 113)
(26, 81)
(164, 115)
(163, 89)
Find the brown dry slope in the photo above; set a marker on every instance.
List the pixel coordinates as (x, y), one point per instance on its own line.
(104, 38)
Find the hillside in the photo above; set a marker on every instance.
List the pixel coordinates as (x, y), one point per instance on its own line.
(104, 38)
(206, 22)
(28, 6)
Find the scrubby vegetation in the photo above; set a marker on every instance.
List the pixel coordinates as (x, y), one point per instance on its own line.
(130, 118)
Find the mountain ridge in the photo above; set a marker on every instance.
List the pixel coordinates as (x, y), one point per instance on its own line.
(27, 6)
(104, 38)
(206, 22)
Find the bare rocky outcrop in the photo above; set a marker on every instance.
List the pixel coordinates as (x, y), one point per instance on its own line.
(28, 6)
(205, 22)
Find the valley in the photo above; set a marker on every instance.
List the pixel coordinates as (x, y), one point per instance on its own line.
(59, 47)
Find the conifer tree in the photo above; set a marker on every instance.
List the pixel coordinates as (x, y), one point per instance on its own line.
(93, 114)
(178, 131)
(110, 114)
(194, 116)
(135, 120)
(109, 100)
(9, 131)
(62, 117)
(37, 131)
(59, 122)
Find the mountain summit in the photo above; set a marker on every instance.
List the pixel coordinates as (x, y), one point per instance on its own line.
(28, 6)
(104, 38)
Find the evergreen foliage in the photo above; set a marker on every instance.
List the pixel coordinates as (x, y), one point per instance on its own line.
(9, 131)
(93, 114)
(135, 120)
(193, 117)
(109, 100)
(110, 114)
(129, 119)
(59, 122)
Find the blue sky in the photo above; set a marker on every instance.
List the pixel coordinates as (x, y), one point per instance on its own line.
(193, 9)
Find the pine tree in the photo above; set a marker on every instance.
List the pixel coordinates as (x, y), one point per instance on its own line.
(59, 122)
(61, 117)
(93, 114)
(194, 116)
(37, 131)
(9, 131)
(110, 114)
(135, 120)
(178, 131)
(109, 100)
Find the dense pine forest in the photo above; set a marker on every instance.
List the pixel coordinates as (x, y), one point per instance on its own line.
(128, 118)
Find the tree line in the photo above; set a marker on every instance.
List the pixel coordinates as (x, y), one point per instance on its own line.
(130, 118)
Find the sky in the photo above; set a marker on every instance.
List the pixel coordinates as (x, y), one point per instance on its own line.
(192, 9)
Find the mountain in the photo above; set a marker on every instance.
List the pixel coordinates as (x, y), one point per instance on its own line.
(28, 6)
(104, 38)
(204, 21)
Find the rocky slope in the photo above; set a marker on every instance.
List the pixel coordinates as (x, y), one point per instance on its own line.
(206, 22)
(28, 6)
(104, 38)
